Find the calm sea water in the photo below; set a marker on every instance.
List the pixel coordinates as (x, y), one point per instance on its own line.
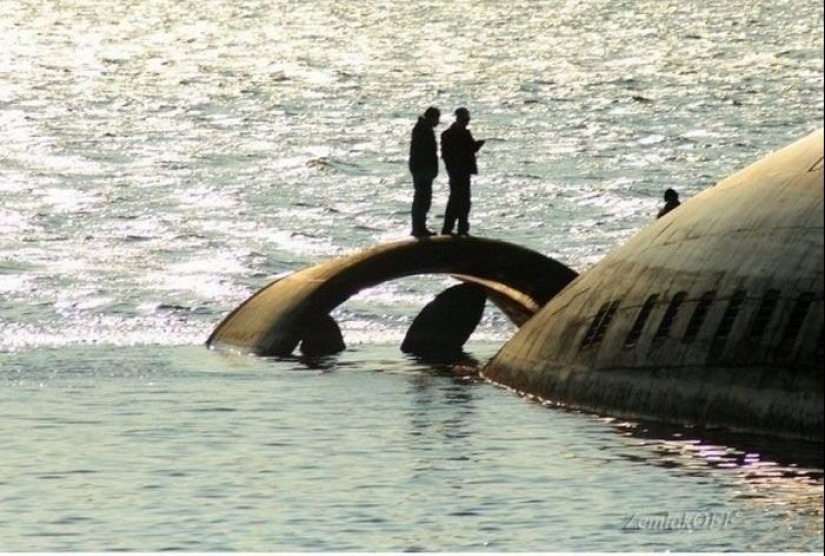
(161, 160)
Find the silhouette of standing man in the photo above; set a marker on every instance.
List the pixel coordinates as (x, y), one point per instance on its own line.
(424, 169)
(458, 149)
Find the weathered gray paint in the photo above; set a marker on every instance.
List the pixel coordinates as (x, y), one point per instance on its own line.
(278, 317)
(760, 229)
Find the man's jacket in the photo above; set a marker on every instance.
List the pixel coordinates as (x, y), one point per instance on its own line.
(423, 149)
(458, 149)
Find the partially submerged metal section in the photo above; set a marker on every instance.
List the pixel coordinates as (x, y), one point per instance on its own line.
(711, 316)
(442, 328)
(291, 309)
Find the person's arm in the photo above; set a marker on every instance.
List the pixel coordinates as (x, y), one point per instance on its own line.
(476, 145)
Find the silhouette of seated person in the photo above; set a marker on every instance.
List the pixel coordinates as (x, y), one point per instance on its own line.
(671, 202)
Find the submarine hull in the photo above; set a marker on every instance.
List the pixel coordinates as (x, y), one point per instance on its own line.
(712, 316)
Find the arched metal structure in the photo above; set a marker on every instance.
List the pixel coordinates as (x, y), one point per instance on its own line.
(278, 317)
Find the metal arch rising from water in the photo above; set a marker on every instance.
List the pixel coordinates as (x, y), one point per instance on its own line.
(281, 315)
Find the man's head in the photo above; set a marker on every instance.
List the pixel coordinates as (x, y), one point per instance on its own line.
(432, 115)
(462, 115)
(671, 195)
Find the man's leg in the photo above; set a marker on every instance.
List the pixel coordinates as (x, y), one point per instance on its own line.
(422, 202)
(451, 214)
(463, 207)
(449, 217)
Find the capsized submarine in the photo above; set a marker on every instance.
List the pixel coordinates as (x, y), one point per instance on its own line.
(712, 316)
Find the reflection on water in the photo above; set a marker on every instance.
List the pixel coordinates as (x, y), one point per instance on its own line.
(203, 450)
(426, 392)
(772, 476)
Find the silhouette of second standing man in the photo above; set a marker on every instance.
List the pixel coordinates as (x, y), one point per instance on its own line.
(458, 149)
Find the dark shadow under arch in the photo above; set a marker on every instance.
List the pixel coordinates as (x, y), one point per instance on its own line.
(274, 320)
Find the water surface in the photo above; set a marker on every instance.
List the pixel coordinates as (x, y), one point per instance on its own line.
(162, 160)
